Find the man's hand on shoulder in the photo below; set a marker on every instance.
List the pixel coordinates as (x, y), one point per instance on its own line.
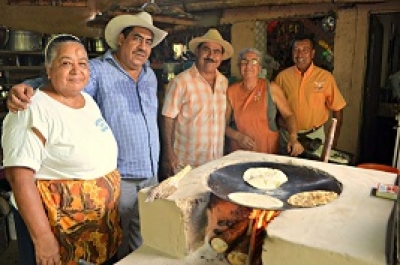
(19, 96)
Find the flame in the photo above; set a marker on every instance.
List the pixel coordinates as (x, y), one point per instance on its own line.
(254, 214)
(261, 218)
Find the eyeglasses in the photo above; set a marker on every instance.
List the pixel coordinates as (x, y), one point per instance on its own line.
(138, 39)
(247, 62)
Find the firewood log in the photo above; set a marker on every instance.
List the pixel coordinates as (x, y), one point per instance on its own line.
(237, 258)
(222, 214)
(257, 259)
(239, 253)
(224, 241)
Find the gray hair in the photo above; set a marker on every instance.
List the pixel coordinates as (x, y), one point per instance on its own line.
(50, 51)
(246, 50)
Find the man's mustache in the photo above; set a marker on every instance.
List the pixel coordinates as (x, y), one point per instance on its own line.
(140, 50)
(209, 60)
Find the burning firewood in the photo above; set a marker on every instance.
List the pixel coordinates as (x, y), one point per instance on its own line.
(239, 254)
(257, 256)
(237, 231)
(223, 214)
(222, 242)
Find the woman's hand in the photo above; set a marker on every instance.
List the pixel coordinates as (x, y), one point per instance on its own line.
(245, 142)
(46, 250)
(294, 147)
(19, 97)
(30, 206)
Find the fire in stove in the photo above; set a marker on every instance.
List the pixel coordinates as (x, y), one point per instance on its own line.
(237, 232)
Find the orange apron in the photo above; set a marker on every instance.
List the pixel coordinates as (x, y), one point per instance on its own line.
(84, 216)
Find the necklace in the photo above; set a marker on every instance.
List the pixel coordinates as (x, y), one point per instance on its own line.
(257, 96)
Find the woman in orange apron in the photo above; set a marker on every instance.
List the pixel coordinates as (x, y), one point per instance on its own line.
(60, 158)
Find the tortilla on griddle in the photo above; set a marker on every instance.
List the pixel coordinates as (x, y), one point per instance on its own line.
(264, 178)
(255, 200)
(312, 198)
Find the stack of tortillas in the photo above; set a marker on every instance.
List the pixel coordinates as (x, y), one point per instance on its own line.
(270, 179)
(255, 200)
(260, 178)
(264, 178)
(312, 198)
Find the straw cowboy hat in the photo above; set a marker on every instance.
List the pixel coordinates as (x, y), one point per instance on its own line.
(142, 19)
(212, 35)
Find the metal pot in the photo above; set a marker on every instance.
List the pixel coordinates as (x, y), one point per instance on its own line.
(96, 45)
(99, 45)
(24, 40)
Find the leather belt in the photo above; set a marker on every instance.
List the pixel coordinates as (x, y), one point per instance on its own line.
(309, 131)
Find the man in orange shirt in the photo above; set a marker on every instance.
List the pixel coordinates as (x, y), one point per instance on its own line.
(193, 121)
(311, 91)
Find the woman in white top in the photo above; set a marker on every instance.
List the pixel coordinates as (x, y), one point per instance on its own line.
(60, 158)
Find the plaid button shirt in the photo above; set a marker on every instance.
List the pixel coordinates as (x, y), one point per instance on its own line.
(200, 116)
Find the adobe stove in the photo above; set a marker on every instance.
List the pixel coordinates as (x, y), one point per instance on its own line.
(350, 230)
(236, 231)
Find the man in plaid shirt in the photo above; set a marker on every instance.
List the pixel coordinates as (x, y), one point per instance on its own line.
(193, 114)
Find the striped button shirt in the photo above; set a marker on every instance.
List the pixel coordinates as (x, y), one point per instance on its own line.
(130, 109)
(200, 116)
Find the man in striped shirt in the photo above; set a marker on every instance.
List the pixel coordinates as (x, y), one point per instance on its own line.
(193, 114)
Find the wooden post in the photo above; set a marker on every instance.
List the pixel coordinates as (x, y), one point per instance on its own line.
(326, 151)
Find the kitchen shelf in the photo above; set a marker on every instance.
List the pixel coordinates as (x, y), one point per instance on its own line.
(17, 66)
(22, 68)
(8, 52)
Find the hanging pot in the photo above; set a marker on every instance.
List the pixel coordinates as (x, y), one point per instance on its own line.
(24, 40)
(99, 45)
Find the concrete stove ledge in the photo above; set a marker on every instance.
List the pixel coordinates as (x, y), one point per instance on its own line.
(350, 230)
(148, 256)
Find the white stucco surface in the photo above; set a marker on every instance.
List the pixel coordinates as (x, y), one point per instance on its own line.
(350, 230)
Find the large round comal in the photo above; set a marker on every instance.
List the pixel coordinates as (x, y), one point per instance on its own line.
(229, 179)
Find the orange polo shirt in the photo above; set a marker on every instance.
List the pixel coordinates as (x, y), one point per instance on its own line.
(311, 96)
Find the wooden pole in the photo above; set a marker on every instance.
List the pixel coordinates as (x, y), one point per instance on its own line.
(326, 151)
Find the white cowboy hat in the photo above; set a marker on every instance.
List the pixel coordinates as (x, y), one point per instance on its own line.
(212, 35)
(142, 19)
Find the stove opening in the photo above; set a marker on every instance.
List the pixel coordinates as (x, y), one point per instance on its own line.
(237, 232)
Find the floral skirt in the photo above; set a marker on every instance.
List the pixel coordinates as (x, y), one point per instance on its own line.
(84, 216)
